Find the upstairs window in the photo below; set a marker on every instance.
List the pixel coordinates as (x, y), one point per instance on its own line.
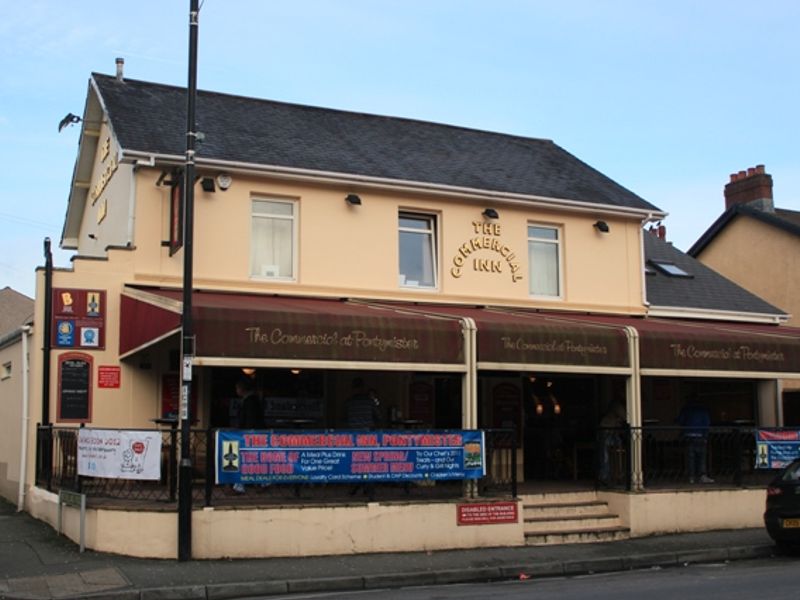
(417, 250)
(544, 261)
(5, 372)
(273, 252)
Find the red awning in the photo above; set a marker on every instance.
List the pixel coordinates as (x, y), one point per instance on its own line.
(684, 345)
(518, 337)
(250, 326)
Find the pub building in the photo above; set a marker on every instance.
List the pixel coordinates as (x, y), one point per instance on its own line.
(473, 281)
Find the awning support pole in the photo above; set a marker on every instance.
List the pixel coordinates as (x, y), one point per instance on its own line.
(469, 386)
(634, 410)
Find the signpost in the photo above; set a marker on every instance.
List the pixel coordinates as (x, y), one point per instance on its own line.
(75, 500)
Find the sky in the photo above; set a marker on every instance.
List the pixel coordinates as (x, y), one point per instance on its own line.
(668, 98)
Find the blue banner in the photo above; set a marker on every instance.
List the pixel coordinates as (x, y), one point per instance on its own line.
(347, 456)
(776, 449)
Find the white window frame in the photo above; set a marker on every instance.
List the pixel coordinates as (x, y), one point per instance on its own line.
(559, 257)
(293, 218)
(432, 232)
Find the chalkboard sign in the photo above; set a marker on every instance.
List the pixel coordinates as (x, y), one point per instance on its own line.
(74, 387)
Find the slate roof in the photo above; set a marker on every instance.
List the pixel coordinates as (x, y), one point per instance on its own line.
(786, 220)
(151, 118)
(705, 289)
(15, 310)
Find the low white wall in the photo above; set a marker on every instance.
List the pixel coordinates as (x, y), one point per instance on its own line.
(145, 534)
(279, 531)
(375, 527)
(367, 528)
(655, 512)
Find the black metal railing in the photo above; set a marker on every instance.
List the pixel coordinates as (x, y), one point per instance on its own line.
(722, 455)
(613, 455)
(501, 463)
(656, 456)
(60, 444)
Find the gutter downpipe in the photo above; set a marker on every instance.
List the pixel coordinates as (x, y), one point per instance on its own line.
(23, 454)
(634, 409)
(642, 233)
(469, 385)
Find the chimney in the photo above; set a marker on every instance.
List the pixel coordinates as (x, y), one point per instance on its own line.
(120, 65)
(752, 187)
(658, 230)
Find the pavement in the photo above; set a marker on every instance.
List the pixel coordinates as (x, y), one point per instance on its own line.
(35, 562)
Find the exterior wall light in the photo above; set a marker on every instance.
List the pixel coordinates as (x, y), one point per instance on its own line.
(207, 183)
(490, 213)
(602, 227)
(224, 181)
(353, 200)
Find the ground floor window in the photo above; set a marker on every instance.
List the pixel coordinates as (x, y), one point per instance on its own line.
(331, 399)
(791, 408)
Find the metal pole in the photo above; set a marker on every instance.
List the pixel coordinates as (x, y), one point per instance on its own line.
(187, 345)
(47, 331)
(47, 451)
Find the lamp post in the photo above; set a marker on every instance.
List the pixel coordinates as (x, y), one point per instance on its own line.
(187, 341)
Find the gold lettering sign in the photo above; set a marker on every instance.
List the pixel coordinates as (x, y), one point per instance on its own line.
(107, 173)
(105, 149)
(486, 239)
(552, 346)
(354, 339)
(102, 211)
(726, 354)
(101, 184)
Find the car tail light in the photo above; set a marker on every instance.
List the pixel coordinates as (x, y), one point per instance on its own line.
(774, 491)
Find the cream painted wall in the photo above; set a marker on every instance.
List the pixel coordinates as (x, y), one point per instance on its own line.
(11, 417)
(136, 401)
(376, 527)
(353, 251)
(762, 259)
(108, 215)
(280, 531)
(656, 512)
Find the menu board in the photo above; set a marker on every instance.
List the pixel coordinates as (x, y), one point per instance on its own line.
(74, 387)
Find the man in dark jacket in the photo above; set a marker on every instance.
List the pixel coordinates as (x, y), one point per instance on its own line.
(696, 420)
(251, 414)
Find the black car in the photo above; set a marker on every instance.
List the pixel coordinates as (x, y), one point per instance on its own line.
(782, 517)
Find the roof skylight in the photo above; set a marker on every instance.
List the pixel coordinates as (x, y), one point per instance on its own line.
(670, 268)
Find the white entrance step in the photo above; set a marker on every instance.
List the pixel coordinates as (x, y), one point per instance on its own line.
(569, 518)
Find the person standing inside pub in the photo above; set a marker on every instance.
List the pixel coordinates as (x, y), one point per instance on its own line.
(695, 420)
(251, 415)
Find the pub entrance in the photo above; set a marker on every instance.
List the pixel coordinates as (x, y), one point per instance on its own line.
(556, 418)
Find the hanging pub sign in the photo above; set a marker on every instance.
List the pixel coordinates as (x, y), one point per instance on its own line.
(74, 388)
(307, 456)
(79, 319)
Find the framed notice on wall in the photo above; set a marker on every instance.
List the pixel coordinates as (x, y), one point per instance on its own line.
(79, 319)
(74, 388)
